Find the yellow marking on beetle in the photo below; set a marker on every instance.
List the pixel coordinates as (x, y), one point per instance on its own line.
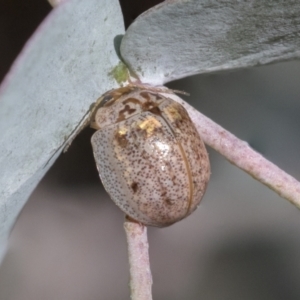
(172, 113)
(121, 139)
(149, 125)
(122, 131)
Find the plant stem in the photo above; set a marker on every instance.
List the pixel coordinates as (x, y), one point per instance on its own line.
(139, 264)
(239, 153)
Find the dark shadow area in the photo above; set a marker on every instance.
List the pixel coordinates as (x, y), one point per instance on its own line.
(133, 8)
(18, 20)
(76, 167)
(249, 268)
(117, 44)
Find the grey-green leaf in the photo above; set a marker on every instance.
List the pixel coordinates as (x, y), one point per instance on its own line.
(63, 68)
(181, 38)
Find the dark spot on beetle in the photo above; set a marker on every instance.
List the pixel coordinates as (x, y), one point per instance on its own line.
(169, 201)
(164, 193)
(173, 179)
(128, 109)
(122, 113)
(145, 95)
(121, 139)
(147, 105)
(144, 154)
(155, 110)
(134, 187)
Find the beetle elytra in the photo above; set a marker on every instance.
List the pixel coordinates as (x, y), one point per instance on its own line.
(149, 155)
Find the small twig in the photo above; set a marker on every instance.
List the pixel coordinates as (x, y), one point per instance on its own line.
(139, 265)
(243, 156)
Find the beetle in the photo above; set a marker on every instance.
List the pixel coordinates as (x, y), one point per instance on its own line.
(149, 155)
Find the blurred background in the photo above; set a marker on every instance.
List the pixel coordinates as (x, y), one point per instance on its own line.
(242, 243)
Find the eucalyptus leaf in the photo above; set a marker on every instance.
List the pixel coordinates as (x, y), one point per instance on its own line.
(177, 39)
(65, 66)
